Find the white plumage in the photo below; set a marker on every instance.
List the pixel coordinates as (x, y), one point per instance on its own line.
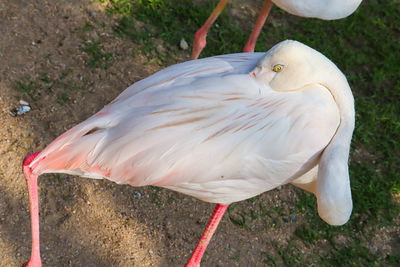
(223, 129)
(322, 9)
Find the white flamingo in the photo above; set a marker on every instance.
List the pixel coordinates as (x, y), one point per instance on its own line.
(221, 129)
(322, 9)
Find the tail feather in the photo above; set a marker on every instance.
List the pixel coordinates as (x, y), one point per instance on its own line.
(70, 152)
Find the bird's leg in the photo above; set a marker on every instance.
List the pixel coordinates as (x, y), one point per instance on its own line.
(262, 17)
(205, 238)
(199, 41)
(31, 182)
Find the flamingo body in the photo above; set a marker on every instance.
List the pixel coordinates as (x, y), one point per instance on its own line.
(215, 133)
(210, 128)
(223, 129)
(321, 9)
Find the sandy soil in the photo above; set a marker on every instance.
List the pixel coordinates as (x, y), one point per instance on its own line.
(94, 222)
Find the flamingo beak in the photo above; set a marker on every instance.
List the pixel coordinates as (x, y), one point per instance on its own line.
(262, 74)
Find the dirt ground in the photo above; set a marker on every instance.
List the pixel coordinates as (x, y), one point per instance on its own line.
(96, 222)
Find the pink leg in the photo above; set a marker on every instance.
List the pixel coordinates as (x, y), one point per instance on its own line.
(200, 37)
(31, 182)
(262, 17)
(206, 236)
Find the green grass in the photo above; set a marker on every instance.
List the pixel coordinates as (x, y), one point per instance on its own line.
(97, 57)
(43, 83)
(171, 21)
(28, 86)
(353, 255)
(63, 98)
(154, 194)
(87, 27)
(366, 48)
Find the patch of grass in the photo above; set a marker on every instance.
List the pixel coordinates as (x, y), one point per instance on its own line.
(143, 35)
(290, 255)
(393, 260)
(55, 178)
(27, 86)
(87, 27)
(44, 82)
(271, 217)
(307, 234)
(154, 194)
(237, 219)
(353, 255)
(44, 77)
(97, 57)
(65, 74)
(171, 20)
(270, 260)
(66, 197)
(63, 98)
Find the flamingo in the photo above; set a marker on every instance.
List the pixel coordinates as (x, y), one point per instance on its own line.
(221, 129)
(322, 9)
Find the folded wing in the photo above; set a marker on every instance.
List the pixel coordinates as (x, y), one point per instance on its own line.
(221, 137)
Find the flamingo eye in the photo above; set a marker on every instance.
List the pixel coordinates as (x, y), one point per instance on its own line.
(277, 67)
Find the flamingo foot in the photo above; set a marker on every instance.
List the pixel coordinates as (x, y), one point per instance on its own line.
(200, 37)
(199, 42)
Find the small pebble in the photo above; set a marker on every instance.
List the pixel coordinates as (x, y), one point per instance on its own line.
(23, 102)
(138, 195)
(20, 110)
(183, 44)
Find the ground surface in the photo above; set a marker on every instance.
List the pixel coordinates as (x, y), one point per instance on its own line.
(67, 60)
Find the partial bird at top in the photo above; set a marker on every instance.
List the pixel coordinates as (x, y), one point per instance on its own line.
(221, 129)
(321, 9)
